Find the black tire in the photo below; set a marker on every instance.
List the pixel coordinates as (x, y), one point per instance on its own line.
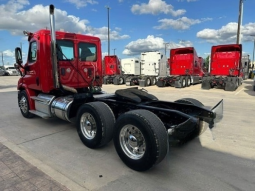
(153, 80)
(24, 104)
(190, 101)
(95, 122)
(121, 80)
(183, 82)
(197, 131)
(147, 81)
(146, 129)
(187, 81)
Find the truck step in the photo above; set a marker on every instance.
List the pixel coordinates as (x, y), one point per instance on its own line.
(40, 114)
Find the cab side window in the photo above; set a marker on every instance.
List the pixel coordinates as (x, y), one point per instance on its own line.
(32, 55)
(87, 51)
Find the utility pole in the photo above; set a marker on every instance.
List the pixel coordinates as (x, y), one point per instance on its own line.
(108, 19)
(114, 51)
(240, 18)
(253, 52)
(3, 58)
(165, 43)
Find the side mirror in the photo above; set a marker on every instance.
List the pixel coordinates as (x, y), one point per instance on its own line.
(18, 56)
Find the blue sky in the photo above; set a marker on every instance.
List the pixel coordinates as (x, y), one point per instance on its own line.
(135, 26)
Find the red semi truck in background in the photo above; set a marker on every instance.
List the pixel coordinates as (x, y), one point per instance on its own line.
(225, 68)
(185, 68)
(112, 70)
(63, 78)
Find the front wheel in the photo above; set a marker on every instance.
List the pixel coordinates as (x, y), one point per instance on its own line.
(24, 104)
(95, 121)
(140, 139)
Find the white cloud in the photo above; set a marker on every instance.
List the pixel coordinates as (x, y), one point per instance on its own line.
(8, 53)
(179, 24)
(156, 7)
(151, 43)
(15, 21)
(81, 3)
(227, 33)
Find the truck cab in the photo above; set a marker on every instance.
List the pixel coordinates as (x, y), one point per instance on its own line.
(78, 58)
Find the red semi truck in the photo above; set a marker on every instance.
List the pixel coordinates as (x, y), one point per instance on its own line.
(225, 68)
(63, 78)
(185, 68)
(112, 70)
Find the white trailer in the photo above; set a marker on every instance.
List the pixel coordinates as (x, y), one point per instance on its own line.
(150, 63)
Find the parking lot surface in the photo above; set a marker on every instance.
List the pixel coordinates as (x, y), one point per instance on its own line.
(221, 159)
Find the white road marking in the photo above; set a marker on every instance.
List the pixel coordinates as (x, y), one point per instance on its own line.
(239, 91)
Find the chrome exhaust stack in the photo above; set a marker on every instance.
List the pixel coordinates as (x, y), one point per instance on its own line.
(53, 48)
(54, 53)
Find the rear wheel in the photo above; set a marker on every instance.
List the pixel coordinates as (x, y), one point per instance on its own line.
(24, 104)
(188, 81)
(148, 81)
(95, 123)
(121, 80)
(140, 139)
(153, 80)
(183, 82)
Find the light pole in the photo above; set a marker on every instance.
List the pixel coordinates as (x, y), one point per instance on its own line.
(165, 43)
(240, 17)
(108, 19)
(114, 51)
(3, 58)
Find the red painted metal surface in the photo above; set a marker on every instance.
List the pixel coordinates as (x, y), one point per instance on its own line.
(226, 60)
(74, 69)
(184, 61)
(111, 65)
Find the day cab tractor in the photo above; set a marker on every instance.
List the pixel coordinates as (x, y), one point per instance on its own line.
(150, 63)
(226, 70)
(185, 67)
(112, 70)
(63, 78)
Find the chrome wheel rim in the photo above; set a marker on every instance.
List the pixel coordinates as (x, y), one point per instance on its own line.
(183, 83)
(88, 126)
(188, 82)
(148, 82)
(23, 104)
(132, 142)
(121, 80)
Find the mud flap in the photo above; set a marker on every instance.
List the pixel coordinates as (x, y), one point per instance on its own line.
(230, 86)
(206, 83)
(116, 80)
(160, 83)
(142, 83)
(177, 84)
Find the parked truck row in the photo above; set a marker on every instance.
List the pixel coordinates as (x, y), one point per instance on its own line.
(182, 69)
(227, 68)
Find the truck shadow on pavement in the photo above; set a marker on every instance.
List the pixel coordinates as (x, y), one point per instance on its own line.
(195, 167)
(248, 87)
